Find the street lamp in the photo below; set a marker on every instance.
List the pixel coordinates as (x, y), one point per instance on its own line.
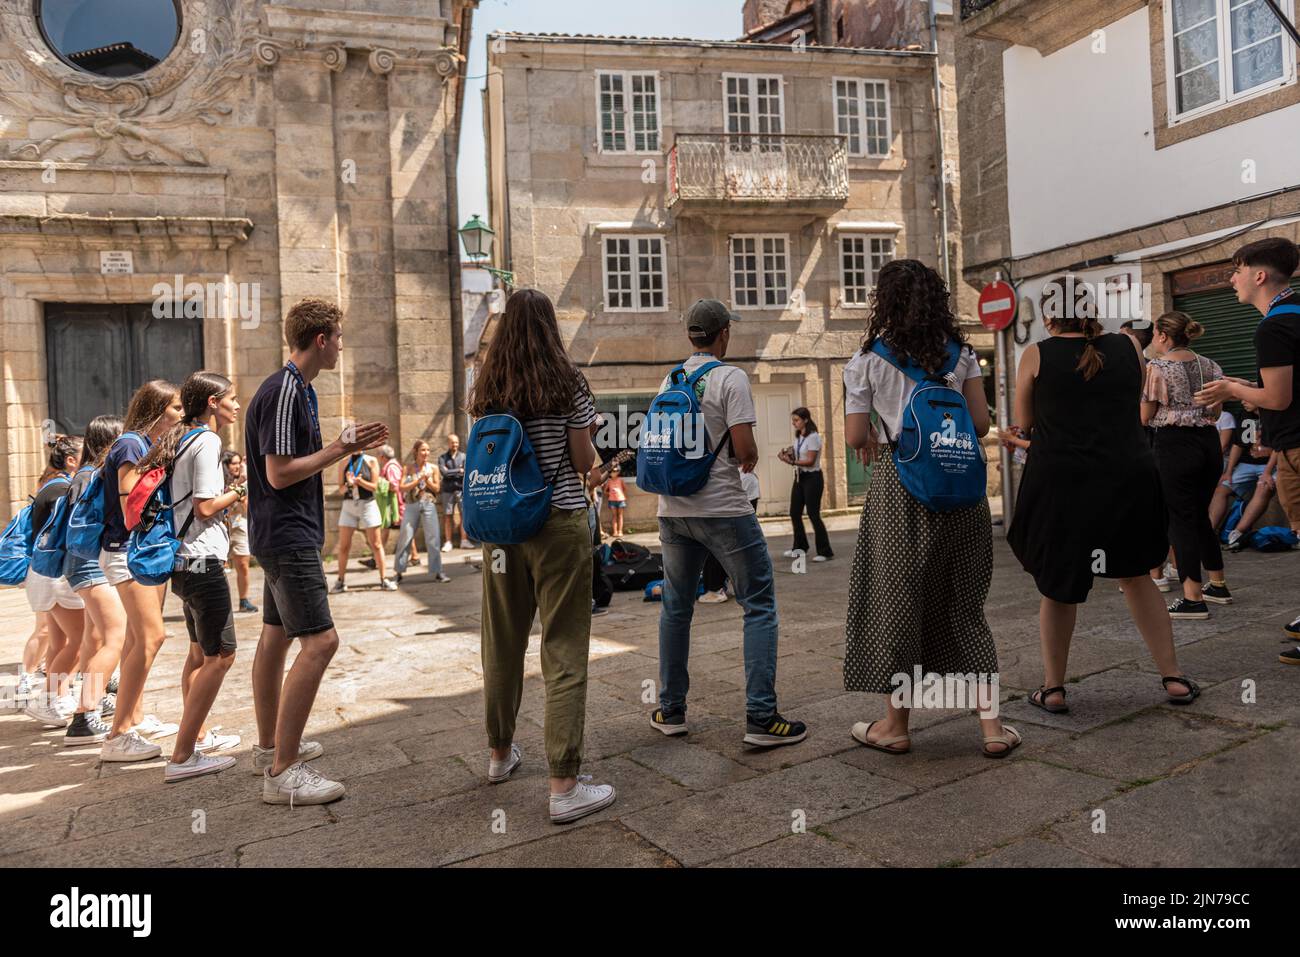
(476, 236)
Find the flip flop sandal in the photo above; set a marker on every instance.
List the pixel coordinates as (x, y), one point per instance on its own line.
(860, 731)
(1010, 738)
(1039, 700)
(1191, 696)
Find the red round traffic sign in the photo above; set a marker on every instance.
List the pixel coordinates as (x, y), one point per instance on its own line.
(997, 305)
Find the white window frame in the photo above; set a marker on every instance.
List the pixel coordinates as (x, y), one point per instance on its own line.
(1223, 12)
(635, 272)
(629, 128)
(872, 273)
(752, 104)
(859, 114)
(763, 286)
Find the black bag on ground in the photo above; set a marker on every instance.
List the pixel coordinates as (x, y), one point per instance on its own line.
(631, 567)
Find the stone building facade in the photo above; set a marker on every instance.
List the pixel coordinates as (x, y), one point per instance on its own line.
(632, 176)
(161, 221)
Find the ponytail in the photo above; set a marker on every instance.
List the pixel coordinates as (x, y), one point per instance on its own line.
(195, 393)
(1092, 360)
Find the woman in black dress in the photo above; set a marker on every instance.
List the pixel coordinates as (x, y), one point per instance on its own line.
(1090, 502)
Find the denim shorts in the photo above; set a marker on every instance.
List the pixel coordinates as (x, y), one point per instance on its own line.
(294, 596)
(82, 572)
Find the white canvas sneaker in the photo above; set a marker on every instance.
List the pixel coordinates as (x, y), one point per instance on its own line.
(584, 799)
(264, 757)
(299, 784)
(50, 716)
(128, 747)
(151, 727)
(498, 771)
(196, 765)
(216, 742)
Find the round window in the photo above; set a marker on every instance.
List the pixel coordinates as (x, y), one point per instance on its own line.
(110, 37)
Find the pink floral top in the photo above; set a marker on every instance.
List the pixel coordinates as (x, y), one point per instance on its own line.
(1173, 383)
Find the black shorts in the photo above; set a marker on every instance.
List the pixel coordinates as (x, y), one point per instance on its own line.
(294, 596)
(201, 587)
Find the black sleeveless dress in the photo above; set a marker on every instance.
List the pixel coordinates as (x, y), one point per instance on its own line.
(1090, 501)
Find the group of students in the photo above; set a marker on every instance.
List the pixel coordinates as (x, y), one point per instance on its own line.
(382, 494)
(1092, 504)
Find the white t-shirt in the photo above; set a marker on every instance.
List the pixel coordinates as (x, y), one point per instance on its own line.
(198, 474)
(749, 482)
(873, 385)
(805, 444)
(1226, 422)
(727, 401)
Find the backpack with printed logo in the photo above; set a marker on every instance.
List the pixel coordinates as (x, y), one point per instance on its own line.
(506, 499)
(938, 456)
(673, 455)
(51, 545)
(86, 519)
(154, 544)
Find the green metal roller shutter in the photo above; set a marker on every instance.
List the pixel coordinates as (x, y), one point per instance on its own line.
(1229, 328)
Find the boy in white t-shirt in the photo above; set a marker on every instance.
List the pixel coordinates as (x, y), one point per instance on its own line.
(719, 521)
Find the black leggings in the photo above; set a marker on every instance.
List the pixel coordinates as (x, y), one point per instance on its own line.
(807, 491)
(713, 575)
(1190, 464)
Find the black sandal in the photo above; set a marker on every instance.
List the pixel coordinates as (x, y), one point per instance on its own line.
(1039, 700)
(1192, 694)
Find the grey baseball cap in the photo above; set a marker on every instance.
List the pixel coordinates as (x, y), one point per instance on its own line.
(708, 316)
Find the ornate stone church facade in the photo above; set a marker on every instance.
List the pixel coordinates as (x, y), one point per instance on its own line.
(171, 182)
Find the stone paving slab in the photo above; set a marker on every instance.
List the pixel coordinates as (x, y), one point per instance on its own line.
(1234, 809)
(400, 716)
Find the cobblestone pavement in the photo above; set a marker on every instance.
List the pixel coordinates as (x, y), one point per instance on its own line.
(400, 718)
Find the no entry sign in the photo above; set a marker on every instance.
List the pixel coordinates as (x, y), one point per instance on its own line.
(997, 306)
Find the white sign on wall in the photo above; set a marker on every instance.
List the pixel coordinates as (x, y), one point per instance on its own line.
(116, 262)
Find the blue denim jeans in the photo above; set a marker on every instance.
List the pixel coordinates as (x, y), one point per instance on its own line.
(425, 513)
(739, 546)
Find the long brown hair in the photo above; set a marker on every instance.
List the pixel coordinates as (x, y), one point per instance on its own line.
(911, 313)
(526, 370)
(195, 393)
(101, 433)
(1071, 307)
(148, 405)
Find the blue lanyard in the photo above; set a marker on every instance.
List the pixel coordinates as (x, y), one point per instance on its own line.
(308, 391)
(1279, 297)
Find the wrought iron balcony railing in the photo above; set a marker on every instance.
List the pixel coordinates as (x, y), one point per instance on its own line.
(757, 167)
(971, 7)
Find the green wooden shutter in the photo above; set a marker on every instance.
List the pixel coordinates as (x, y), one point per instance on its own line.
(1229, 328)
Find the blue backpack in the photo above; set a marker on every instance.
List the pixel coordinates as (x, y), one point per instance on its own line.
(505, 500)
(50, 548)
(673, 455)
(86, 519)
(937, 454)
(152, 549)
(17, 542)
(1273, 538)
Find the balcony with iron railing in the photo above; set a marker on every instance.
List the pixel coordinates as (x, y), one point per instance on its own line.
(718, 170)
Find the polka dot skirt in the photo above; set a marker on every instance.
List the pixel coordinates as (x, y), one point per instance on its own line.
(917, 589)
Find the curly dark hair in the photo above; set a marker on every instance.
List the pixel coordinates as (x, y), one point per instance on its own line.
(912, 314)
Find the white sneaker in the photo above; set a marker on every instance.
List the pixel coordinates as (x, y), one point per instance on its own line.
(1165, 584)
(388, 584)
(128, 747)
(264, 757)
(339, 586)
(820, 558)
(151, 727)
(584, 799)
(49, 715)
(789, 553)
(196, 764)
(498, 771)
(441, 578)
(446, 546)
(216, 742)
(713, 597)
(299, 784)
(28, 687)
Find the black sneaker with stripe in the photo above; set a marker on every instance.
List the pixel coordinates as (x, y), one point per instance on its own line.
(669, 722)
(774, 731)
(86, 728)
(1185, 609)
